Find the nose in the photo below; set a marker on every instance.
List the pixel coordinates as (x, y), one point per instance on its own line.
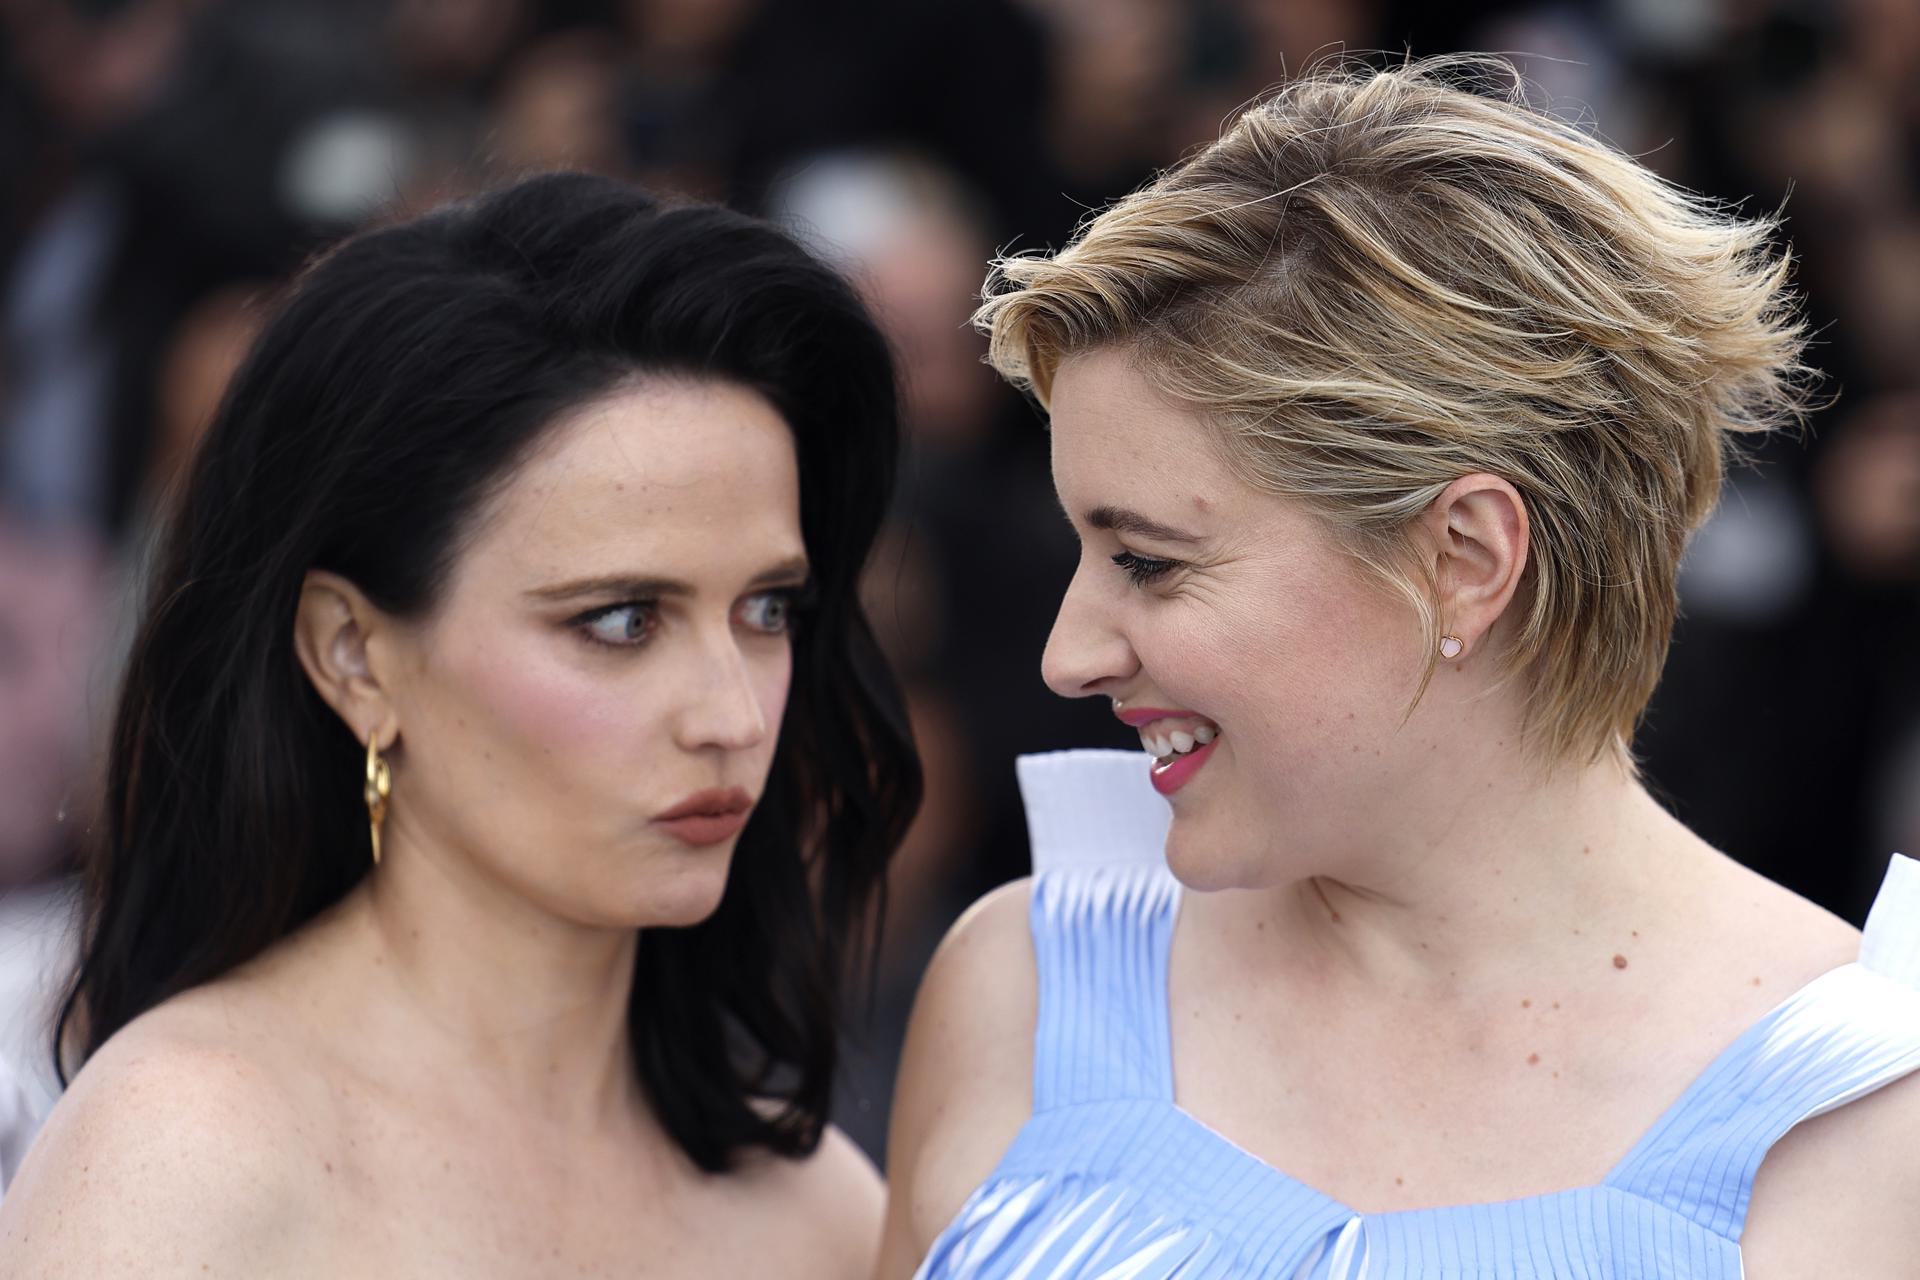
(1086, 653)
(722, 708)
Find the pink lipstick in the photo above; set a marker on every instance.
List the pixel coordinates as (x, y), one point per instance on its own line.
(1137, 716)
(1177, 772)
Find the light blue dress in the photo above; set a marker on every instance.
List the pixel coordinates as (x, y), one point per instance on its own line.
(1109, 1178)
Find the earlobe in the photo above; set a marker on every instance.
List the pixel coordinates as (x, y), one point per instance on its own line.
(330, 630)
(1482, 538)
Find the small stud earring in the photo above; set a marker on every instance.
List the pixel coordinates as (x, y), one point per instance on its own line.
(1451, 647)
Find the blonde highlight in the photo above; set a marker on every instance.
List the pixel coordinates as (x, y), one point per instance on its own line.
(1378, 281)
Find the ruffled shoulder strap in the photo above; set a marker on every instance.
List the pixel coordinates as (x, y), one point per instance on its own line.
(1890, 945)
(1093, 809)
(1845, 1035)
(1102, 915)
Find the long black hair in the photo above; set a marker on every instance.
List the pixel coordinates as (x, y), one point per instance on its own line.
(407, 373)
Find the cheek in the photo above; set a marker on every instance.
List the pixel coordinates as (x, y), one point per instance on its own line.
(551, 706)
(772, 683)
(527, 708)
(1301, 686)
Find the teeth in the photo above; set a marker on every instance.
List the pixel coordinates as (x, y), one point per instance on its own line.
(1177, 742)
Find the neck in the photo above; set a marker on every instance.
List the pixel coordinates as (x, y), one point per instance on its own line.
(1498, 873)
(484, 985)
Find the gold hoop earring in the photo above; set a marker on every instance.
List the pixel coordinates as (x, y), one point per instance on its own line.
(379, 788)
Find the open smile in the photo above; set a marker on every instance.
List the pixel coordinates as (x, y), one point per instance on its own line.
(1179, 742)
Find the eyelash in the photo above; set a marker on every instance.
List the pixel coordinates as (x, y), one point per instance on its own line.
(1141, 570)
(795, 599)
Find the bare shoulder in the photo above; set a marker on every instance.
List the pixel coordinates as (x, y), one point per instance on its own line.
(965, 1084)
(822, 1213)
(173, 1152)
(1756, 943)
(1799, 931)
(1836, 1195)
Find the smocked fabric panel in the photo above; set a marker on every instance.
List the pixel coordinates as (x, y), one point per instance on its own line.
(1110, 1179)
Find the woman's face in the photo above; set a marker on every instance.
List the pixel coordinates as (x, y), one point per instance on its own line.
(1224, 618)
(611, 651)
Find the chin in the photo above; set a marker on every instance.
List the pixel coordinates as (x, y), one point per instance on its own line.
(1210, 853)
(676, 899)
(683, 904)
(1198, 863)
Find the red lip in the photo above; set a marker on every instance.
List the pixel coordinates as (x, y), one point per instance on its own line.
(708, 817)
(1170, 777)
(1137, 716)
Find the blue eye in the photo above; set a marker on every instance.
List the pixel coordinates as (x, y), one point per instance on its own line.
(619, 625)
(770, 611)
(1141, 570)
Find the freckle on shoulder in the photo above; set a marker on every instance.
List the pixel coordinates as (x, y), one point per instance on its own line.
(168, 1139)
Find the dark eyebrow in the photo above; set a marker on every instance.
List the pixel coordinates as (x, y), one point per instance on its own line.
(786, 573)
(1121, 520)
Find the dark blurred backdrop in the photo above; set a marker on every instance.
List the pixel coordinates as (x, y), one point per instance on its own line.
(169, 163)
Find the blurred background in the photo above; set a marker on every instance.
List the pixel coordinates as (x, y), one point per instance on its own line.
(169, 163)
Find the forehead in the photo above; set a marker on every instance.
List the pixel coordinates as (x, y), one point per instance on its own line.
(1111, 425)
(661, 471)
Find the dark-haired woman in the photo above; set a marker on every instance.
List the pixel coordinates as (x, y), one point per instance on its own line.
(503, 769)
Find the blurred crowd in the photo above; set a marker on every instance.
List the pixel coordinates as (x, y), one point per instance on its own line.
(169, 164)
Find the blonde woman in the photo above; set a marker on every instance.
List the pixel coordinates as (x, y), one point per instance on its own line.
(1383, 422)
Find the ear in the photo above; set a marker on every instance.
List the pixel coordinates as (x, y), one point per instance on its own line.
(1479, 536)
(331, 632)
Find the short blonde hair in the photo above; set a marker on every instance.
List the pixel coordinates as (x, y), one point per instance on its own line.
(1377, 282)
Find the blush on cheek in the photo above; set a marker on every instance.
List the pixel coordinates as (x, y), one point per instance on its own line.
(530, 706)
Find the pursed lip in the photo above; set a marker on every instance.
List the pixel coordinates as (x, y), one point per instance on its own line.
(715, 802)
(1139, 716)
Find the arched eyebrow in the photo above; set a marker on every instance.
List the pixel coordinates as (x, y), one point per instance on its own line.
(1121, 520)
(788, 573)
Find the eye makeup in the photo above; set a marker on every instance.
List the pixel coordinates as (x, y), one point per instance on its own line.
(628, 624)
(1141, 570)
